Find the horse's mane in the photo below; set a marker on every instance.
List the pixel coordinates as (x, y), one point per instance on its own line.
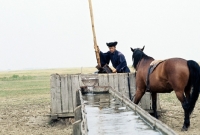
(138, 55)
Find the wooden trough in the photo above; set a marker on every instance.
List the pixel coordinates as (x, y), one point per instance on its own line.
(63, 91)
(80, 126)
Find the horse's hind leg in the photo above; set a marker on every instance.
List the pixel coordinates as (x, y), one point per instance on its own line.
(187, 92)
(185, 105)
(188, 89)
(154, 104)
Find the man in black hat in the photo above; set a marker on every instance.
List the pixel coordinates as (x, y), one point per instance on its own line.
(117, 58)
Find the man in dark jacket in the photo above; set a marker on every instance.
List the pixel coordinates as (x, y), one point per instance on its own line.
(117, 58)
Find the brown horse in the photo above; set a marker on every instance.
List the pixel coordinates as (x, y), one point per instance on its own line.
(176, 74)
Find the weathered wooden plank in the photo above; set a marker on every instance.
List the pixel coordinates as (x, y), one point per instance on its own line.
(75, 87)
(80, 81)
(100, 89)
(77, 113)
(53, 90)
(122, 80)
(146, 101)
(132, 83)
(66, 115)
(70, 94)
(64, 94)
(77, 128)
(103, 80)
(129, 84)
(61, 115)
(126, 87)
(116, 82)
(55, 94)
(58, 94)
(78, 100)
(111, 80)
(87, 76)
(120, 83)
(158, 102)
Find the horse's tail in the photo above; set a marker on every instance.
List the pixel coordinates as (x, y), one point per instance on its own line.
(194, 80)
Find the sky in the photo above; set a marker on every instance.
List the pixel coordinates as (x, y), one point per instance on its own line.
(38, 34)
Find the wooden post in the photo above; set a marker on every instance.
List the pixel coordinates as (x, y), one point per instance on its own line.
(94, 34)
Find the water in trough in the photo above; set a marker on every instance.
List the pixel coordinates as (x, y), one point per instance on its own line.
(108, 116)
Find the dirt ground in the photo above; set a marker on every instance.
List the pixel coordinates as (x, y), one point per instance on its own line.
(174, 115)
(29, 117)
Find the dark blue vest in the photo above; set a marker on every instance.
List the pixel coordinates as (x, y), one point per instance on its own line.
(118, 61)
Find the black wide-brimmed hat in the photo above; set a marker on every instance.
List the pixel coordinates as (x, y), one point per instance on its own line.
(111, 44)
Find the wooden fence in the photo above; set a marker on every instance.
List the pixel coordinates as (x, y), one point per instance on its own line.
(63, 91)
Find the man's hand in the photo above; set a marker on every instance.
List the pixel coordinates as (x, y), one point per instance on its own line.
(114, 70)
(98, 67)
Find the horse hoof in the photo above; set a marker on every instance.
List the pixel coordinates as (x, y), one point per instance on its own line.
(184, 128)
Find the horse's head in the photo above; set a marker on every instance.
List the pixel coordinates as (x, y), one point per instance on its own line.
(140, 49)
(137, 55)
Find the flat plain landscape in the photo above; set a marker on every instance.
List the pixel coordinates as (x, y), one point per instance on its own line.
(25, 104)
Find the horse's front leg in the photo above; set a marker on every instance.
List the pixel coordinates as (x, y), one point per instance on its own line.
(154, 104)
(138, 95)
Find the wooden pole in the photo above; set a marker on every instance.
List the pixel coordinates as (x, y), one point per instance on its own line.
(94, 35)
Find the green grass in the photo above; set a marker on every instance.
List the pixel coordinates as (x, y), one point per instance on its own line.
(17, 84)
